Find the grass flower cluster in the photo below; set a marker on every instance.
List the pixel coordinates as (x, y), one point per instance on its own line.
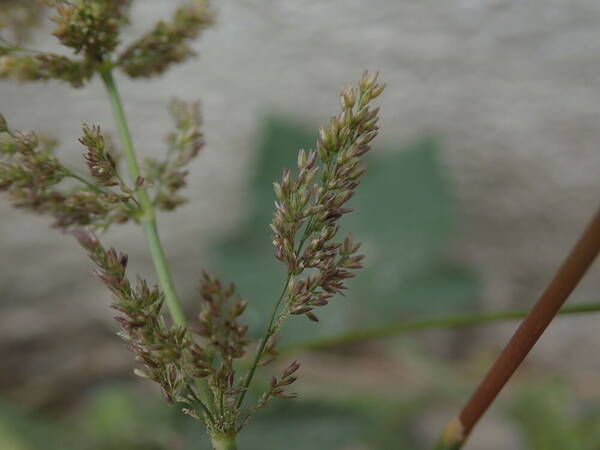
(207, 365)
(195, 362)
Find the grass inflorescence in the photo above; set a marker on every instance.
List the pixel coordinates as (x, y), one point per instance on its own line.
(195, 362)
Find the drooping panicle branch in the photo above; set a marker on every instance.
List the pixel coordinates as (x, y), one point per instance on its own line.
(33, 177)
(224, 337)
(169, 176)
(168, 354)
(91, 29)
(168, 42)
(157, 348)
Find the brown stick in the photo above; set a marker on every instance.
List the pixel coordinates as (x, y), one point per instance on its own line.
(565, 280)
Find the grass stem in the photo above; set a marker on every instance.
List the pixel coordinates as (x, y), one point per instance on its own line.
(223, 442)
(528, 333)
(148, 217)
(441, 323)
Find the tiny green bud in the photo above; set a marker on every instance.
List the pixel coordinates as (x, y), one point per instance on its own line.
(278, 192)
(323, 153)
(311, 316)
(302, 159)
(346, 118)
(368, 80)
(324, 135)
(348, 97)
(357, 173)
(293, 367)
(310, 175)
(286, 181)
(141, 373)
(377, 90)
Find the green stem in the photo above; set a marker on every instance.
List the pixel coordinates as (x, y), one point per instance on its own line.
(457, 321)
(263, 344)
(69, 173)
(98, 189)
(148, 218)
(270, 330)
(162, 271)
(203, 407)
(223, 442)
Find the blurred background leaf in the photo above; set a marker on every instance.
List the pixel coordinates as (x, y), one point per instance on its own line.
(545, 416)
(118, 417)
(405, 217)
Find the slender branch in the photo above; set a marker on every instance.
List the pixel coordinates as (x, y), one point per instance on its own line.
(201, 404)
(525, 337)
(441, 323)
(263, 344)
(93, 187)
(148, 216)
(270, 330)
(159, 182)
(11, 46)
(69, 173)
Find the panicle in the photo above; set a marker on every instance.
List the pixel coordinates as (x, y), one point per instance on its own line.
(218, 320)
(167, 354)
(305, 222)
(167, 43)
(305, 225)
(32, 176)
(100, 162)
(185, 143)
(224, 338)
(90, 28)
(310, 201)
(44, 67)
(277, 388)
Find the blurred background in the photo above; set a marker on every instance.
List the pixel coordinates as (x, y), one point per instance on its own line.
(485, 171)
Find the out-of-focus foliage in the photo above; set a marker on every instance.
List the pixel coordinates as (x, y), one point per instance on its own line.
(405, 219)
(546, 420)
(119, 418)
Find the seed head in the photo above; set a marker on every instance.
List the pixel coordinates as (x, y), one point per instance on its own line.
(316, 209)
(90, 28)
(168, 42)
(101, 164)
(185, 143)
